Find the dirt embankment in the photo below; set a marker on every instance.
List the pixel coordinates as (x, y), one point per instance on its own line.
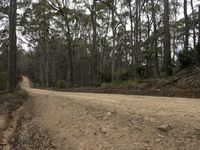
(28, 134)
(9, 107)
(186, 83)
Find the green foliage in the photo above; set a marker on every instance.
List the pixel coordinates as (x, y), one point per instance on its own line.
(123, 75)
(127, 84)
(108, 85)
(62, 84)
(186, 58)
(62, 33)
(22, 92)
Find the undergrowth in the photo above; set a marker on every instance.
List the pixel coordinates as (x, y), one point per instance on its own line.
(21, 91)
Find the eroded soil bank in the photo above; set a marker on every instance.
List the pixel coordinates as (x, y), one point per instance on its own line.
(10, 105)
(186, 83)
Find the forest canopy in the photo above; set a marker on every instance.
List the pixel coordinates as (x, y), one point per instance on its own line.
(92, 42)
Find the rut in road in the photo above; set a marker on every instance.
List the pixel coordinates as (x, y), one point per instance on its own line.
(78, 121)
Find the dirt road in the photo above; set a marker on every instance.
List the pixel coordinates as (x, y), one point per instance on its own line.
(86, 121)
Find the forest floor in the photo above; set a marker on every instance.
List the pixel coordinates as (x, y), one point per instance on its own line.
(88, 121)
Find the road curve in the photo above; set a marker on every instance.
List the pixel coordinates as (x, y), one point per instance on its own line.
(84, 121)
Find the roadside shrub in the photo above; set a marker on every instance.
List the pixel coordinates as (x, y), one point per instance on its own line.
(62, 84)
(122, 75)
(186, 58)
(127, 84)
(22, 92)
(106, 85)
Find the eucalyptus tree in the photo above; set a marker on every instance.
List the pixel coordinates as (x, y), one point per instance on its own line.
(155, 38)
(90, 42)
(113, 26)
(175, 27)
(186, 38)
(199, 25)
(36, 25)
(167, 49)
(194, 23)
(137, 27)
(12, 53)
(61, 7)
(132, 29)
(94, 41)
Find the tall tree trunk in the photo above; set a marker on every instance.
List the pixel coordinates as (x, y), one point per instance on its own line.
(47, 57)
(137, 31)
(167, 51)
(186, 39)
(114, 41)
(70, 52)
(175, 34)
(132, 32)
(199, 26)
(193, 28)
(133, 52)
(148, 68)
(69, 38)
(155, 44)
(46, 49)
(71, 62)
(94, 45)
(12, 46)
